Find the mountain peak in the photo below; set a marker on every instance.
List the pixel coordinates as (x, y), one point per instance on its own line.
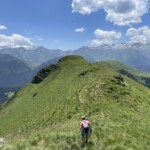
(72, 58)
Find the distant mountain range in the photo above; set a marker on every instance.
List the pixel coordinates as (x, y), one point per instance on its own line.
(37, 55)
(136, 55)
(19, 65)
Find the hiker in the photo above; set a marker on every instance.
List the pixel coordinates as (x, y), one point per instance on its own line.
(85, 129)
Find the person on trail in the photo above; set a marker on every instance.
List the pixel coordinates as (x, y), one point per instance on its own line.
(85, 129)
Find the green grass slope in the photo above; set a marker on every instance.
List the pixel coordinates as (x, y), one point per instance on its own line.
(46, 116)
(139, 76)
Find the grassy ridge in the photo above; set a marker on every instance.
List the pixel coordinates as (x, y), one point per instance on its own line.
(47, 115)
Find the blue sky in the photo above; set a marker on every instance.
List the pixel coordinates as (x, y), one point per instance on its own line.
(70, 24)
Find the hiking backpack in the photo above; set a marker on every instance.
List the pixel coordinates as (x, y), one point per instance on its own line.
(85, 124)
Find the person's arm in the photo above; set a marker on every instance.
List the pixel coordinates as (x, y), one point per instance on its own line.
(81, 126)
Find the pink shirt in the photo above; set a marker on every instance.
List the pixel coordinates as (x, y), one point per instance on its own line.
(84, 124)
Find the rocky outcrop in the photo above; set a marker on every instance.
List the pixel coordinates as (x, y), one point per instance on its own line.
(43, 73)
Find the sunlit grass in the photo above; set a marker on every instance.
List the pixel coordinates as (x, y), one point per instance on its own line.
(46, 116)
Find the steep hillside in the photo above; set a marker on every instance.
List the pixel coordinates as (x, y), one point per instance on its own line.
(13, 72)
(46, 115)
(134, 74)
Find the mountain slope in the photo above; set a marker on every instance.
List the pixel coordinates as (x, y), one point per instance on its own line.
(6, 93)
(13, 74)
(47, 115)
(47, 63)
(134, 74)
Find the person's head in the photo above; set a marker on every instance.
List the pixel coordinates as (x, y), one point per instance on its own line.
(83, 117)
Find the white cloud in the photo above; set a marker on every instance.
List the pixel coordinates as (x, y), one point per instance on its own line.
(141, 34)
(14, 40)
(126, 12)
(3, 27)
(105, 37)
(86, 6)
(80, 30)
(120, 12)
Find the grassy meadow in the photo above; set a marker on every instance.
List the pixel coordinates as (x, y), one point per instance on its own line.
(46, 116)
